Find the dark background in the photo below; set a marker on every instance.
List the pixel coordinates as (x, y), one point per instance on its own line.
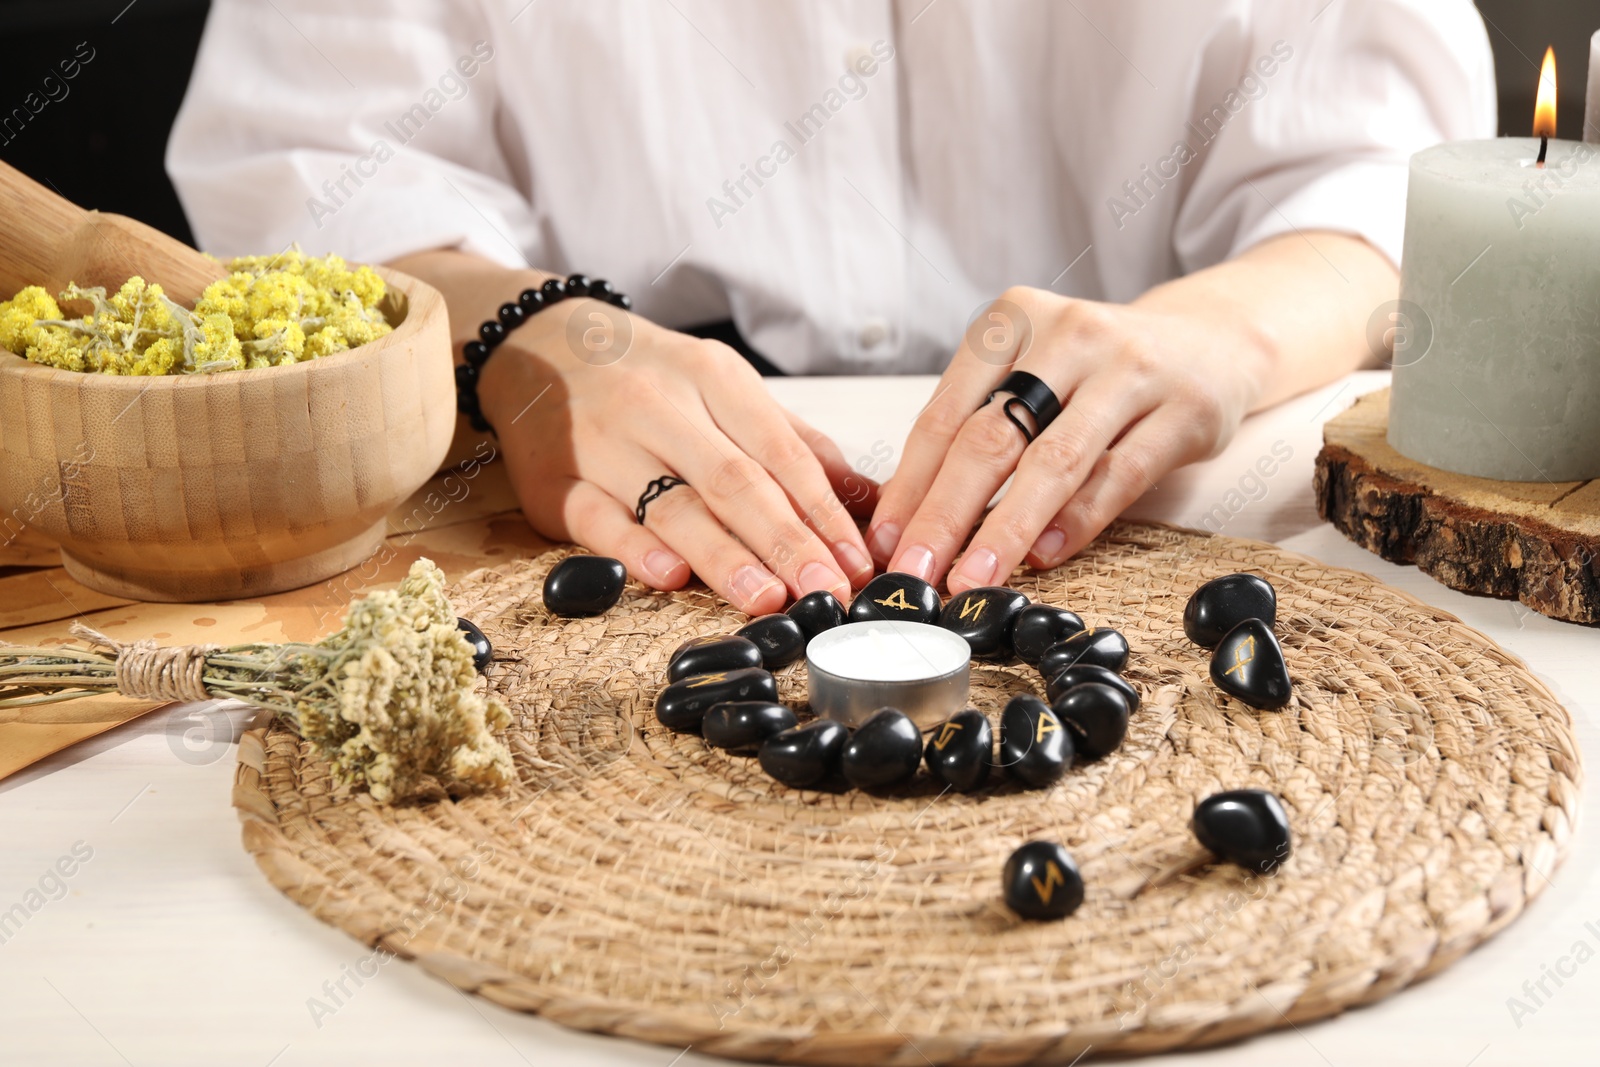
(102, 145)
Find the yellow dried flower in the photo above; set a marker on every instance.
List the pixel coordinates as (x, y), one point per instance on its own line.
(407, 714)
(391, 700)
(159, 358)
(218, 348)
(19, 317)
(268, 311)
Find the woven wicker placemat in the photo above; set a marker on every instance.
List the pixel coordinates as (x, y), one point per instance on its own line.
(640, 883)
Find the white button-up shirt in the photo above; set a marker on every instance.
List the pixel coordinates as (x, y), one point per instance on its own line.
(849, 181)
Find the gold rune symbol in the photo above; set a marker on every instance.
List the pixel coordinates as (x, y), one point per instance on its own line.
(896, 599)
(1052, 878)
(1047, 725)
(947, 733)
(1243, 654)
(975, 606)
(707, 679)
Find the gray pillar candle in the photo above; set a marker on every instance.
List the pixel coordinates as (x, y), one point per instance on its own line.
(1591, 104)
(1497, 365)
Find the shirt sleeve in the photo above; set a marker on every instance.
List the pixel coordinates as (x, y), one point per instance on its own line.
(365, 128)
(1312, 123)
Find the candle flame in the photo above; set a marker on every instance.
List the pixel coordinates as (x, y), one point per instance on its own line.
(1544, 109)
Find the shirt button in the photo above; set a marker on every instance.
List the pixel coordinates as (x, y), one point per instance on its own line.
(855, 56)
(873, 333)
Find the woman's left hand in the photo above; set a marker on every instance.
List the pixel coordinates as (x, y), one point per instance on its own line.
(1145, 388)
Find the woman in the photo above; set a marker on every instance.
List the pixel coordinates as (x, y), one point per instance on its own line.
(1164, 216)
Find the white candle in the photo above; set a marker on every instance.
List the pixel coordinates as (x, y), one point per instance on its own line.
(855, 669)
(883, 652)
(1591, 104)
(1498, 372)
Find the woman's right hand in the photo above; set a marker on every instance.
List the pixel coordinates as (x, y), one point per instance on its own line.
(591, 403)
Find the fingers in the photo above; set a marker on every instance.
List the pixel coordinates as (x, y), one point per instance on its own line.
(740, 492)
(965, 383)
(683, 521)
(1050, 471)
(746, 412)
(858, 492)
(982, 455)
(582, 512)
(679, 533)
(1160, 442)
(680, 518)
(979, 461)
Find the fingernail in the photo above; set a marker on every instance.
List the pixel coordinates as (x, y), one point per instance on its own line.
(659, 566)
(815, 576)
(1047, 549)
(977, 567)
(917, 560)
(749, 582)
(857, 564)
(883, 540)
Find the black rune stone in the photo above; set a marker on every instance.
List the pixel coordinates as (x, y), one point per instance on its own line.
(1248, 664)
(707, 655)
(744, 723)
(779, 638)
(482, 651)
(816, 612)
(682, 705)
(984, 617)
(1040, 881)
(1223, 603)
(1244, 826)
(806, 754)
(1097, 715)
(885, 750)
(1038, 627)
(961, 749)
(1097, 645)
(584, 585)
(1088, 672)
(1033, 744)
(896, 597)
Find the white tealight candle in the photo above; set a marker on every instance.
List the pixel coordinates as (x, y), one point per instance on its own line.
(855, 669)
(1497, 362)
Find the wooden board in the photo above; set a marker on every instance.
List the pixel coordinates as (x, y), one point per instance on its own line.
(23, 546)
(460, 523)
(1536, 541)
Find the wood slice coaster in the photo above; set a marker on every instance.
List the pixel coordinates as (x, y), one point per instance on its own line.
(639, 883)
(1536, 541)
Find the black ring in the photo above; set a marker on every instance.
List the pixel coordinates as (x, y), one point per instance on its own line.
(653, 490)
(1032, 393)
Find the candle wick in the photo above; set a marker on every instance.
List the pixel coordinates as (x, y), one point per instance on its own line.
(1544, 146)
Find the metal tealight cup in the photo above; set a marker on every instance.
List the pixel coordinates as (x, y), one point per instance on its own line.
(840, 692)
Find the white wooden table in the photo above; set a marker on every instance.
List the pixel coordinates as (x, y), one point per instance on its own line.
(167, 947)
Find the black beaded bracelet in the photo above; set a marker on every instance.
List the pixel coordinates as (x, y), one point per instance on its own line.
(511, 315)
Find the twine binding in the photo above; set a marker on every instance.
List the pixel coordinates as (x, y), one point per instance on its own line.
(147, 671)
(637, 882)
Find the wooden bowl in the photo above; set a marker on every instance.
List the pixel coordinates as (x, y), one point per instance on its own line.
(235, 484)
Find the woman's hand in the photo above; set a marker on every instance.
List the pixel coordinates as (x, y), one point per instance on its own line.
(1145, 388)
(592, 403)
(1145, 392)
